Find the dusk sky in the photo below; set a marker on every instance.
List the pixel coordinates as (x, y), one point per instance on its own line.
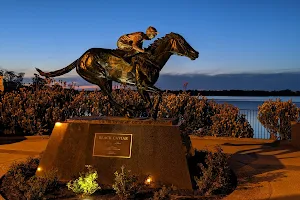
(232, 36)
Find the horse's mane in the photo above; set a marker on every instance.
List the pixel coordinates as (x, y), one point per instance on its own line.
(158, 41)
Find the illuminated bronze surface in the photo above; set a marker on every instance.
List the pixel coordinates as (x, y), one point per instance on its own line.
(101, 66)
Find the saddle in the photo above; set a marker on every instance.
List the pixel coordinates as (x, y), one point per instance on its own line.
(118, 52)
(125, 55)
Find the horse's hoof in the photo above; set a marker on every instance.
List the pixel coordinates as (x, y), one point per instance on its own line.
(129, 115)
(154, 115)
(154, 118)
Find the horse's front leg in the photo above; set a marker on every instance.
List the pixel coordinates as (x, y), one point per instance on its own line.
(156, 105)
(142, 87)
(157, 102)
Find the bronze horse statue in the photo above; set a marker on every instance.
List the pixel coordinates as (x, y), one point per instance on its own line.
(101, 66)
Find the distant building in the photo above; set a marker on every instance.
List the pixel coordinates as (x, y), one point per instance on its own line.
(1, 84)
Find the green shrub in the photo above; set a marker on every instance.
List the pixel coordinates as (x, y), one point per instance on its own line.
(34, 111)
(276, 117)
(198, 113)
(39, 186)
(227, 122)
(21, 182)
(125, 183)
(86, 184)
(203, 117)
(215, 174)
(163, 193)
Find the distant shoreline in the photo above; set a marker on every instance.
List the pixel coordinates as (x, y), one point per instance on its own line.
(250, 93)
(232, 93)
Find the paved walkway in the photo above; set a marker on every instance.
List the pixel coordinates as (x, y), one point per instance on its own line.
(11, 151)
(265, 170)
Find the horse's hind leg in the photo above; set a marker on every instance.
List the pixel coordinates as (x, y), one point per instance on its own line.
(103, 83)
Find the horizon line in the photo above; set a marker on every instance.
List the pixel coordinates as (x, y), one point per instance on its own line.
(194, 74)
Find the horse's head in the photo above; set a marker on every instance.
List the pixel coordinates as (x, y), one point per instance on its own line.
(181, 47)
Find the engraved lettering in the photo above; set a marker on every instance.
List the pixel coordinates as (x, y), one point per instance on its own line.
(120, 138)
(112, 145)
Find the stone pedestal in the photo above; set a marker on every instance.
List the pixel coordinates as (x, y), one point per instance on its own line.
(1, 84)
(295, 134)
(144, 146)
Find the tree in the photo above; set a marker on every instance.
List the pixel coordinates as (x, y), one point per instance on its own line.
(38, 82)
(11, 79)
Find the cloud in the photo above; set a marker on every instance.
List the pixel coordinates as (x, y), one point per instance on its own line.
(218, 71)
(241, 81)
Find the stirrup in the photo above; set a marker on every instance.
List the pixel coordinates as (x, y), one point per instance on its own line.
(127, 55)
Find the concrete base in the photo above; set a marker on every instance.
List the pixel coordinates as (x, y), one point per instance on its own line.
(156, 150)
(296, 134)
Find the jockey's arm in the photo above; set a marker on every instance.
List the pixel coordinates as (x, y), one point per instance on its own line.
(135, 47)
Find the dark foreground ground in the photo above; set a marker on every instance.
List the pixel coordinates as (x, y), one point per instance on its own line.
(265, 170)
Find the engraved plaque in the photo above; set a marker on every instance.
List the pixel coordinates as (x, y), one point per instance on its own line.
(112, 145)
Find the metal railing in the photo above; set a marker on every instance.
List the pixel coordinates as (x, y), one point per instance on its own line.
(259, 131)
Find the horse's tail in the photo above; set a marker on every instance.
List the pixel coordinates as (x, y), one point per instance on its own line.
(58, 72)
